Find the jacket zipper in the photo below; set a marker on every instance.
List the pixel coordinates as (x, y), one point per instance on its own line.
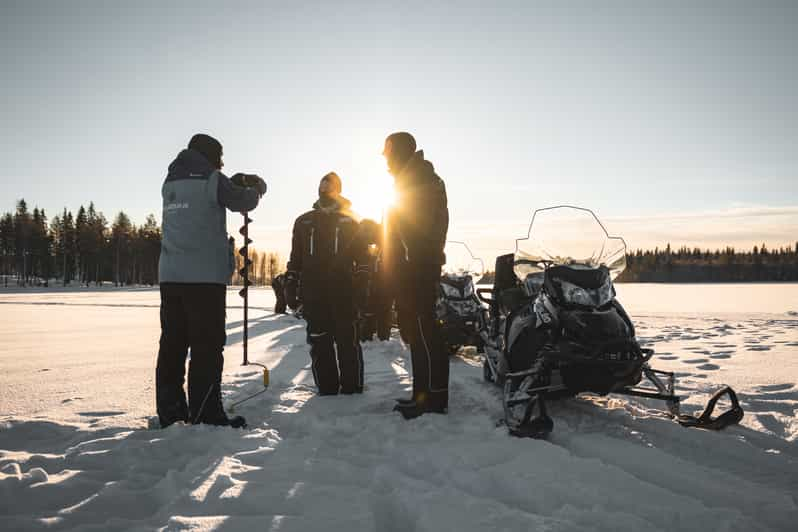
(312, 231)
(337, 229)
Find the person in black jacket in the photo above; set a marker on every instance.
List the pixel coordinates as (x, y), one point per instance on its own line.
(416, 234)
(377, 316)
(327, 260)
(278, 285)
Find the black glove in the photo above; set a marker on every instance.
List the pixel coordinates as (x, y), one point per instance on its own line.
(250, 181)
(291, 289)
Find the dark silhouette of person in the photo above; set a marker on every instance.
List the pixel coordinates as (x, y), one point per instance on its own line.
(278, 285)
(328, 263)
(194, 269)
(377, 318)
(415, 238)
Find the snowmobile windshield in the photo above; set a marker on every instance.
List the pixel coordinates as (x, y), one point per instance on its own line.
(568, 236)
(460, 261)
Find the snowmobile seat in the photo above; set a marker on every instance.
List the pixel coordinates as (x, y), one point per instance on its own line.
(507, 293)
(505, 274)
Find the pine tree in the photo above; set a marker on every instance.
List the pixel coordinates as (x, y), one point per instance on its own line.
(39, 245)
(22, 232)
(82, 244)
(7, 246)
(120, 235)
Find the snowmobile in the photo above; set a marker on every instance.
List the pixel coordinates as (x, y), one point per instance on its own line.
(555, 328)
(459, 311)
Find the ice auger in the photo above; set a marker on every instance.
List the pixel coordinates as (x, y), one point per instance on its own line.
(244, 293)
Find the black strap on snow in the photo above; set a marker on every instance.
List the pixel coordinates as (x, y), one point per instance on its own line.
(706, 421)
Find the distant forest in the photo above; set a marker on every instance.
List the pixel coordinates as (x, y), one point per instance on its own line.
(685, 265)
(86, 250)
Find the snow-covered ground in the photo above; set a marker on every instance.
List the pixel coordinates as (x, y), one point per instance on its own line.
(76, 391)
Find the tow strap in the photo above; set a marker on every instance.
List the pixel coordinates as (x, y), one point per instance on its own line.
(706, 421)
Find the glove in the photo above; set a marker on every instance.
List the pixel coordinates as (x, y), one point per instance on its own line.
(250, 181)
(290, 290)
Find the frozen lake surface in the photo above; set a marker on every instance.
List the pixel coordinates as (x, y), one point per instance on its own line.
(76, 391)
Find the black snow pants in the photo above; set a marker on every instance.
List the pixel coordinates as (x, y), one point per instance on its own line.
(335, 352)
(192, 317)
(416, 294)
(278, 285)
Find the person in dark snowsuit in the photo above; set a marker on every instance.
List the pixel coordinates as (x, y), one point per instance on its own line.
(328, 261)
(376, 317)
(194, 268)
(278, 285)
(416, 234)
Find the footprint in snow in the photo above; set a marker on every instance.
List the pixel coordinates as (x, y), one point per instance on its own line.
(103, 413)
(667, 357)
(721, 355)
(759, 347)
(708, 367)
(775, 387)
(696, 361)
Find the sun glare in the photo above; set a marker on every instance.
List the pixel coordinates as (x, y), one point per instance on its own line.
(373, 190)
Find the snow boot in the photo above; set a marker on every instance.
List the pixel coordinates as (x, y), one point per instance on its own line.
(211, 412)
(431, 402)
(172, 407)
(236, 422)
(219, 418)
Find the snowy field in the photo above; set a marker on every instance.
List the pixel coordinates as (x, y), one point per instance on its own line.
(76, 392)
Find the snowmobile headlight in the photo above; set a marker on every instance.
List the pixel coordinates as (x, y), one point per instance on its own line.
(588, 297)
(605, 293)
(450, 291)
(576, 295)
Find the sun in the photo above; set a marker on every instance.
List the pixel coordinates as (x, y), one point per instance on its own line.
(373, 190)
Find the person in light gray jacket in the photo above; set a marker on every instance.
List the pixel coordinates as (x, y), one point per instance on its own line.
(195, 267)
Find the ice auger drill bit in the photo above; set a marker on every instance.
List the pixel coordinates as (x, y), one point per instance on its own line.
(244, 293)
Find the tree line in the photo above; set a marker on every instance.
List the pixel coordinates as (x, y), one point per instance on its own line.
(264, 268)
(84, 248)
(695, 265)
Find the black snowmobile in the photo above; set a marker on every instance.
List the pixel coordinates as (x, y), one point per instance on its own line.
(460, 313)
(555, 328)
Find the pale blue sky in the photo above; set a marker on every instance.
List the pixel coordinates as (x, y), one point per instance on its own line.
(678, 110)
